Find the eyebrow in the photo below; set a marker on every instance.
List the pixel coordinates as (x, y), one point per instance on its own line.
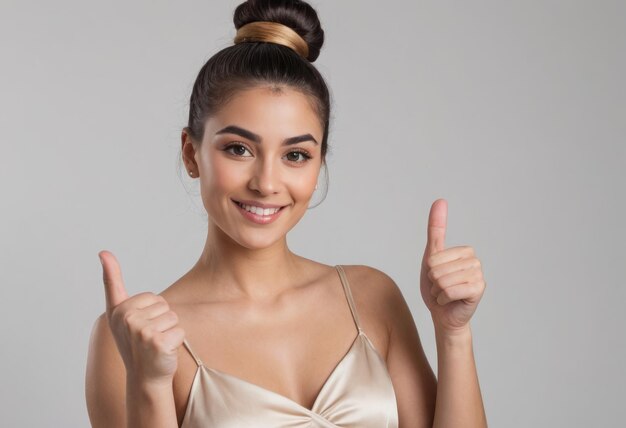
(232, 129)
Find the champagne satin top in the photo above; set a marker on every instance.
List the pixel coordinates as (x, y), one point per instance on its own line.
(358, 393)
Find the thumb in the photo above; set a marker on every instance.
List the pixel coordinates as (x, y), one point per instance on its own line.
(437, 221)
(114, 289)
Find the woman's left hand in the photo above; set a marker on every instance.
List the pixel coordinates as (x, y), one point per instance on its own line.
(451, 280)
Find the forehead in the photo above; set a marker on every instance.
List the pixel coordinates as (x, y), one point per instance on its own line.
(269, 111)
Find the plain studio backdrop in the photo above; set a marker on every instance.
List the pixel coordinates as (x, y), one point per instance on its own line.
(514, 112)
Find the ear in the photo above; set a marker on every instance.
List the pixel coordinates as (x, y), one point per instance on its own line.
(188, 150)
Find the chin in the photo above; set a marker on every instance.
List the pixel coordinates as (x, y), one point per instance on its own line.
(257, 237)
(258, 242)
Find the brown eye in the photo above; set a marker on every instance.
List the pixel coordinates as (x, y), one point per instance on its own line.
(239, 149)
(304, 156)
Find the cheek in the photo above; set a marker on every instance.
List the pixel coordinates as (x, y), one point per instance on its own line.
(222, 175)
(303, 186)
(218, 179)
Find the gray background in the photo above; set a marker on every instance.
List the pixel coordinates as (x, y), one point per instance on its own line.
(513, 111)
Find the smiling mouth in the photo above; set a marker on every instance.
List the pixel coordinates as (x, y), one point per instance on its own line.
(258, 210)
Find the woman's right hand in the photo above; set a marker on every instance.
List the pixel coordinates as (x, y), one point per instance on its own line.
(144, 327)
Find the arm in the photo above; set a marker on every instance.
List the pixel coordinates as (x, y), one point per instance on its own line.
(451, 400)
(133, 356)
(459, 401)
(115, 401)
(413, 379)
(452, 284)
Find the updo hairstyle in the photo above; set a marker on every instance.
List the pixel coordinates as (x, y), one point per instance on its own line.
(250, 63)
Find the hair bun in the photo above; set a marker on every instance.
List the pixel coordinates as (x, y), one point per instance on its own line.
(295, 14)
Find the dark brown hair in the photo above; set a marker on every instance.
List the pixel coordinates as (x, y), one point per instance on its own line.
(250, 64)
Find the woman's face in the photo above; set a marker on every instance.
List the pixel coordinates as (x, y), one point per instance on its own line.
(264, 148)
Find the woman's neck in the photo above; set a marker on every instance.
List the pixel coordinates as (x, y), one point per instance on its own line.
(231, 270)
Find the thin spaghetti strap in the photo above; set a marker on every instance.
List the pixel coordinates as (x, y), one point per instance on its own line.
(198, 361)
(346, 289)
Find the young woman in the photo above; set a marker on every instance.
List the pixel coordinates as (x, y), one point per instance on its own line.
(255, 335)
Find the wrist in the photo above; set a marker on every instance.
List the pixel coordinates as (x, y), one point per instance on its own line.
(140, 383)
(149, 403)
(461, 335)
(147, 394)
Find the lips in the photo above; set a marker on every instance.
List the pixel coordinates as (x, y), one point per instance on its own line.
(258, 204)
(258, 218)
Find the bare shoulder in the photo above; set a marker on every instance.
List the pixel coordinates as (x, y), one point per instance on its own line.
(105, 378)
(377, 297)
(374, 285)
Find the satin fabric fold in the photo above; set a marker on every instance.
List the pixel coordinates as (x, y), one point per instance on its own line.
(358, 393)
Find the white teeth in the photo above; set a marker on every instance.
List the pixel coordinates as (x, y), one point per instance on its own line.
(259, 210)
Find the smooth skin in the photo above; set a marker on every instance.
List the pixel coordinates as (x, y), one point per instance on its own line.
(250, 298)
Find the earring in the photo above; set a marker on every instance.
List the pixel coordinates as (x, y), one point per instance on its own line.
(316, 187)
(191, 173)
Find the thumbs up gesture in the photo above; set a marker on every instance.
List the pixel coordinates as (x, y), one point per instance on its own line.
(144, 327)
(451, 280)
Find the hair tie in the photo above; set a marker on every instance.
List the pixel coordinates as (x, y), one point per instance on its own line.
(272, 32)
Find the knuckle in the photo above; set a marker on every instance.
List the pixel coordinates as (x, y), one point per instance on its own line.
(434, 291)
(448, 293)
(146, 333)
(127, 318)
(178, 334)
(162, 304)
(151, 297)
(468, 250)
(158, 307)
(146, 296)
(475, 290)
(430, 262)
(114, 315)
(441, 299)
(147, 293)
(159, 341)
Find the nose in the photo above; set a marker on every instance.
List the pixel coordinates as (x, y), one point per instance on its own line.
(265, 178)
